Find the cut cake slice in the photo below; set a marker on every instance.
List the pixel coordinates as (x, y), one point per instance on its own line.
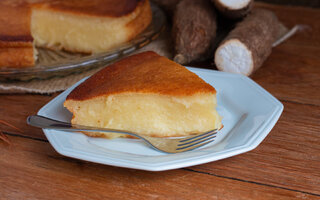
(147, 94)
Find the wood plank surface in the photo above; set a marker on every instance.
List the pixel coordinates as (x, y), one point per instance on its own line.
(16, 108)
(286, 165)
(289, 157)
(292, 71)
(32, 170)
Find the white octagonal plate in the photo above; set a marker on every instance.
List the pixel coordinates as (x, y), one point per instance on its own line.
(249, 113)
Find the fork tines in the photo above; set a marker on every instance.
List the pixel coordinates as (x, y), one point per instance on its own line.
(197, 141)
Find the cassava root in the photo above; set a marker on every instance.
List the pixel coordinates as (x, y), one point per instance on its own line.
(194, 30)
(233, 9)
(249, 44)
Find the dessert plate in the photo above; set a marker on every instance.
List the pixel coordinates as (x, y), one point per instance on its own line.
(249, 113)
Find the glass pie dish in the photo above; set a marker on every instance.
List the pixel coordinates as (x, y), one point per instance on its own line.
(52, 63)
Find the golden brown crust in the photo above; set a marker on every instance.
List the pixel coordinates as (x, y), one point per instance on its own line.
(18, 41)
(16, 49)
(15, 24)
(142, 20)
(15, 20)
(103, 8)
(145, 72)
(17, 57)
(15, 40)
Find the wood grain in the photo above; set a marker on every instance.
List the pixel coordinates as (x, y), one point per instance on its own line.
(292, 72)
(289, 157)
(32, 170)
(310, 3)
(296, 79)
(15, 109)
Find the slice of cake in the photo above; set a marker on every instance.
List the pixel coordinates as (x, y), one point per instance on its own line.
(86, 26)
(147, 94)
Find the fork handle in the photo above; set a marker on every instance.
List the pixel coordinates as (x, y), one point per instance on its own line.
(44, 122)
(47, 123)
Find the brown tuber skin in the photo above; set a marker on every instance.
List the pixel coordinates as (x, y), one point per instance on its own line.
(256, 33)
(194, 29)
(232, 13)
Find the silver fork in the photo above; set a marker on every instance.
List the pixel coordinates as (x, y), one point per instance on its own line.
(168, 145)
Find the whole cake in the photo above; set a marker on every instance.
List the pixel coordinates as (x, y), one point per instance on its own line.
(147, 94)
(87, 26)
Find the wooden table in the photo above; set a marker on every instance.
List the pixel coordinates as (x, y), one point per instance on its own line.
(285, 166)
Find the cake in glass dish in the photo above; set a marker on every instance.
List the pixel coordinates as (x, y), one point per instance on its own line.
(85, 26)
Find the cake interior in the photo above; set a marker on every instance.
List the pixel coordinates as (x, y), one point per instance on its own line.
(149, 114)
(85, 34)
